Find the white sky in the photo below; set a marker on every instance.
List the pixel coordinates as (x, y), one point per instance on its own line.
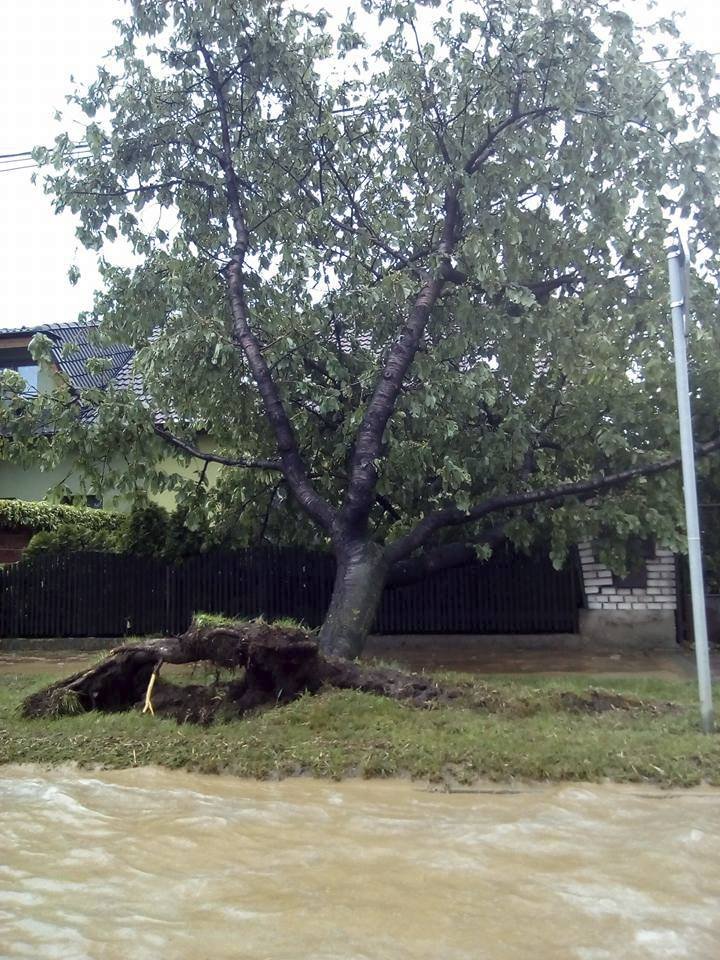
(43, 42)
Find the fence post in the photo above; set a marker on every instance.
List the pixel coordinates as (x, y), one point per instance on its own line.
(168, 627)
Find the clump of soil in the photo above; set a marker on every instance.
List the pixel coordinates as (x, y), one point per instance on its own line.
(602, 701)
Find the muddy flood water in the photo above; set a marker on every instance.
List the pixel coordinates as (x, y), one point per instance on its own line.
(153, 864)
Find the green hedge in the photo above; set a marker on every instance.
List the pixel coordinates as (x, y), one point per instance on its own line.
(37, 516)
(71, 538)
(148, 529)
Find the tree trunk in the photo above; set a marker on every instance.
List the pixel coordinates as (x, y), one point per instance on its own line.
(361, 573)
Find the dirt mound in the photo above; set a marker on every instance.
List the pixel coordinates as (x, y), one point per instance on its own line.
(602, 701)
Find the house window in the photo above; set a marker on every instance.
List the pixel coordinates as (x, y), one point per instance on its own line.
(29, 373)
(21, 362)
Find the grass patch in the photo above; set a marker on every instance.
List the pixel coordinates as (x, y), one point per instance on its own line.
(213, 620)
(504, 728)
(219, 620)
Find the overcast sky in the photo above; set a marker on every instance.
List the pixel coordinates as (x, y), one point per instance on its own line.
(43, 42)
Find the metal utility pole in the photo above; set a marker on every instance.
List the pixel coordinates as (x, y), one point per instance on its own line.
(679, 302)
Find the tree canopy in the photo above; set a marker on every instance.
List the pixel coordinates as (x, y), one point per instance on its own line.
(405, 267)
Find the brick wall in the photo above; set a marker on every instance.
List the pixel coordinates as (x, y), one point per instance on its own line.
(602, 594)
(12, 544)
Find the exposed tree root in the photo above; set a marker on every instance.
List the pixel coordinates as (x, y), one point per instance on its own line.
(274, 664)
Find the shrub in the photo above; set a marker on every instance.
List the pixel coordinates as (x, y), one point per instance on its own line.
(180, 540)
(152, 531)
(70, 538)
(37, 516)
(145, 530)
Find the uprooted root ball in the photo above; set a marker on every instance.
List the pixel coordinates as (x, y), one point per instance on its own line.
(272, 663)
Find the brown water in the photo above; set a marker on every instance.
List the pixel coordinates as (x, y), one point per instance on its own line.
(152, 864)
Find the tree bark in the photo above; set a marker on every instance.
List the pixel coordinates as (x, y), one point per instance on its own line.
(362, 569)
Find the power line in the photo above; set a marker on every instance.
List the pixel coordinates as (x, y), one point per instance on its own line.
(7, 166)
(28, 153)
(26, 166)
(19, 160)
(32, 166)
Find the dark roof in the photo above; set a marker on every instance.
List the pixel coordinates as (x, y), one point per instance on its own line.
(73, 344)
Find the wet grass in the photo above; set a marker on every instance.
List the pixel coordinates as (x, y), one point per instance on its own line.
(500, 728)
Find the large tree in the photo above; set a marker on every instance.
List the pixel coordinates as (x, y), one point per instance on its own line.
(405, 267)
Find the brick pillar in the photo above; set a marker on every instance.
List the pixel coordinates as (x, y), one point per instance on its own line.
(12, 544)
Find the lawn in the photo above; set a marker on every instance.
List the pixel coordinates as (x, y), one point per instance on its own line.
(500, 728)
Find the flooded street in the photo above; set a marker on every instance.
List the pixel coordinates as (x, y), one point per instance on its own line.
(148, 863)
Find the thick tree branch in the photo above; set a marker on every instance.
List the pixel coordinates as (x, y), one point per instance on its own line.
(443, 557)
(583, 490)
(192, 451)
(541, 289)
(292, 463)
(484, 149)
(363, 472)
(387, 506)
(441, 128)
(242, 237)
(268, 511)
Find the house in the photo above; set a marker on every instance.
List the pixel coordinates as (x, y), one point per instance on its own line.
(72, 347)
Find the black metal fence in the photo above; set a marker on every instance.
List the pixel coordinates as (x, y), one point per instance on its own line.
(107, 595)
